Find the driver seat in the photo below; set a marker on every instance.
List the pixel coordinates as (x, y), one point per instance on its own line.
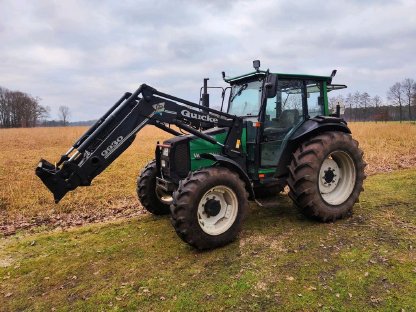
(280, 126)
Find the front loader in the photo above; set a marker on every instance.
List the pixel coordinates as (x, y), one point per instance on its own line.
(275, 130)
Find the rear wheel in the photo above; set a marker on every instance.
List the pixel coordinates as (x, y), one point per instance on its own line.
(153, 200)
(208, 207)
(326, 176)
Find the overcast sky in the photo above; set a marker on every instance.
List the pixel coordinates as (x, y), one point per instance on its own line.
(85, 54)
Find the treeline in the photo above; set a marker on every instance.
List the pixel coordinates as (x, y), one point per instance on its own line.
(60, 123)
(21, 110)
(18, 109)
(360, 106)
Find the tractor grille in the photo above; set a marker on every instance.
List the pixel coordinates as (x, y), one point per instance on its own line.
(177, 164)
(180, 164)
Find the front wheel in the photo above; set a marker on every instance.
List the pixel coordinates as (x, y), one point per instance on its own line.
(208, 207)
(152, 199)
(326, 176)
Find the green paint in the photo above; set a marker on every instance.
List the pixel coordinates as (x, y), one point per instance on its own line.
(325, 91)
(267, 170)
(200, 146)
(244, 140)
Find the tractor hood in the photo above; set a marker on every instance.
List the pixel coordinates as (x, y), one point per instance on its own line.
(197, 146)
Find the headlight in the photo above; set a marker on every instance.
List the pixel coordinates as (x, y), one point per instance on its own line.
(163, 163)
(165, 151)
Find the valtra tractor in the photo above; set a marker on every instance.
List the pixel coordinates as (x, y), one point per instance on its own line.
(272, 130)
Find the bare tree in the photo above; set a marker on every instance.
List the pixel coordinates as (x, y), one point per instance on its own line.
(43, 113)
(334, 101)
(414, 97)
(395, 94)
(4, 108)
(414, 94)
(356, 98)
(365, 102)
(376, 101)
(64, 114)
(349, 101)
(18, 109)
(408, 87)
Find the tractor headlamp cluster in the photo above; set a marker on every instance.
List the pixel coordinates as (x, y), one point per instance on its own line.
(165, 151)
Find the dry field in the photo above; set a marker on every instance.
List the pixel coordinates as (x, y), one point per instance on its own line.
(281, 261)
(25, 202)
(387, 146)
(23, 197)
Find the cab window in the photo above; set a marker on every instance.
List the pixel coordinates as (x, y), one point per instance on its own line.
(285, 108)
(283, 112)
(245, 99)
(315, 99)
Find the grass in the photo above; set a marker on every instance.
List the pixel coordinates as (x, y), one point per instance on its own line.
(23, 198)
(281, 262)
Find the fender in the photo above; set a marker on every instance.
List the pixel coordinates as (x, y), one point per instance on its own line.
(319, 124)
(234, 166)
(309, 128)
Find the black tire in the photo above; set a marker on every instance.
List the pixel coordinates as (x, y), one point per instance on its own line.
(308, 169)
(146, 191)
(194, 189)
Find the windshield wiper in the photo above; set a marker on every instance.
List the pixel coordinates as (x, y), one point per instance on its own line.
(238, 93)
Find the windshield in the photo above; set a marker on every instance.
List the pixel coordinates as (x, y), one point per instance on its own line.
(245, 99)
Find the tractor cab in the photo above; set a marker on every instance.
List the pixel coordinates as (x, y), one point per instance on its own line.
(274, 106)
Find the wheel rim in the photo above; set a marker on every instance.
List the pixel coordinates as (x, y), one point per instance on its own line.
(163, 197)
(337, 177)
(217, 210)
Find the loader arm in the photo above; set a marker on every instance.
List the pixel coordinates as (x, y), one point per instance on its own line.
(110, 136)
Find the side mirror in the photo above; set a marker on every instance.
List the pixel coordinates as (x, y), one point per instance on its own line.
(271, 85)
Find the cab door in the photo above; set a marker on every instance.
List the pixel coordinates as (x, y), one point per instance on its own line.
(295, 100)
(282, 113)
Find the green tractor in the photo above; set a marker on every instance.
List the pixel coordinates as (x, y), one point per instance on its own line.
(274, 130)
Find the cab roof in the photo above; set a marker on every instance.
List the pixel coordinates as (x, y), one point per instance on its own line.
(262, 73)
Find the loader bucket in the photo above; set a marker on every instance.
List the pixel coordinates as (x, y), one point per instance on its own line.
(51, 178)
